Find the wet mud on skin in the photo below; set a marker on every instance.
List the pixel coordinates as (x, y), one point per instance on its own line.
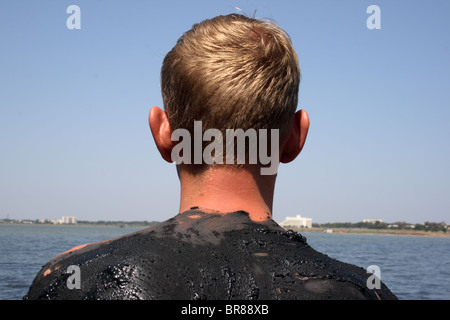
(196, 255)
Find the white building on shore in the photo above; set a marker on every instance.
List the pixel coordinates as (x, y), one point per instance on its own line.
(297, 221)
(373, 221)
(65, 220)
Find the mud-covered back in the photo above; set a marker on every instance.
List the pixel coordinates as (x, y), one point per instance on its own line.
(204, 256)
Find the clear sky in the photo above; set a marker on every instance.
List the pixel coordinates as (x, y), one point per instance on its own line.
(74, 136)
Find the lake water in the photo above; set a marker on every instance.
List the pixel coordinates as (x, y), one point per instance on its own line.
(413, 267)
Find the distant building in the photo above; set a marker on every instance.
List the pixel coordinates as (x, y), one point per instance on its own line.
(297, 221)
(65, 220)
(69, 220)
(373, 221)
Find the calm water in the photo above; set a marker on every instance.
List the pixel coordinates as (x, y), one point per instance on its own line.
(412, 267)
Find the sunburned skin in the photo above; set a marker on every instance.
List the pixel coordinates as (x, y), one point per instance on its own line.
(198, 255)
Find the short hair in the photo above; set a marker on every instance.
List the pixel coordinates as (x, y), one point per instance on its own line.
(231, 72)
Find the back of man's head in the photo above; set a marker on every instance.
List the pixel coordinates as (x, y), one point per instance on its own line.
(231, 72)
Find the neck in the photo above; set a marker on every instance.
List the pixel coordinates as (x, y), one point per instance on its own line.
(223, 189)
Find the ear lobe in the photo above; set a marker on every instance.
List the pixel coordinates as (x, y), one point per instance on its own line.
(160, 128)
(296, 138)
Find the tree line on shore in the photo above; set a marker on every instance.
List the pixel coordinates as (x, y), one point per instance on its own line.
(427, 226)
(83, 222)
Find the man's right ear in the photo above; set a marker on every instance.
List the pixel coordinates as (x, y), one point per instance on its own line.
(160, 127)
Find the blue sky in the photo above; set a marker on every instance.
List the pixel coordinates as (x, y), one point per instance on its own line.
(74, 137)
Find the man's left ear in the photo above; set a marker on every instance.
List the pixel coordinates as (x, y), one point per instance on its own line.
(160, 127)
(296, 138)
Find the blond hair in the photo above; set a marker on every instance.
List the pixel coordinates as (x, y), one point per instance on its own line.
(231, 72)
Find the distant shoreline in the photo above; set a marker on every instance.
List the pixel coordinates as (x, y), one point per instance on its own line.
(123, 225)
(400, 232)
